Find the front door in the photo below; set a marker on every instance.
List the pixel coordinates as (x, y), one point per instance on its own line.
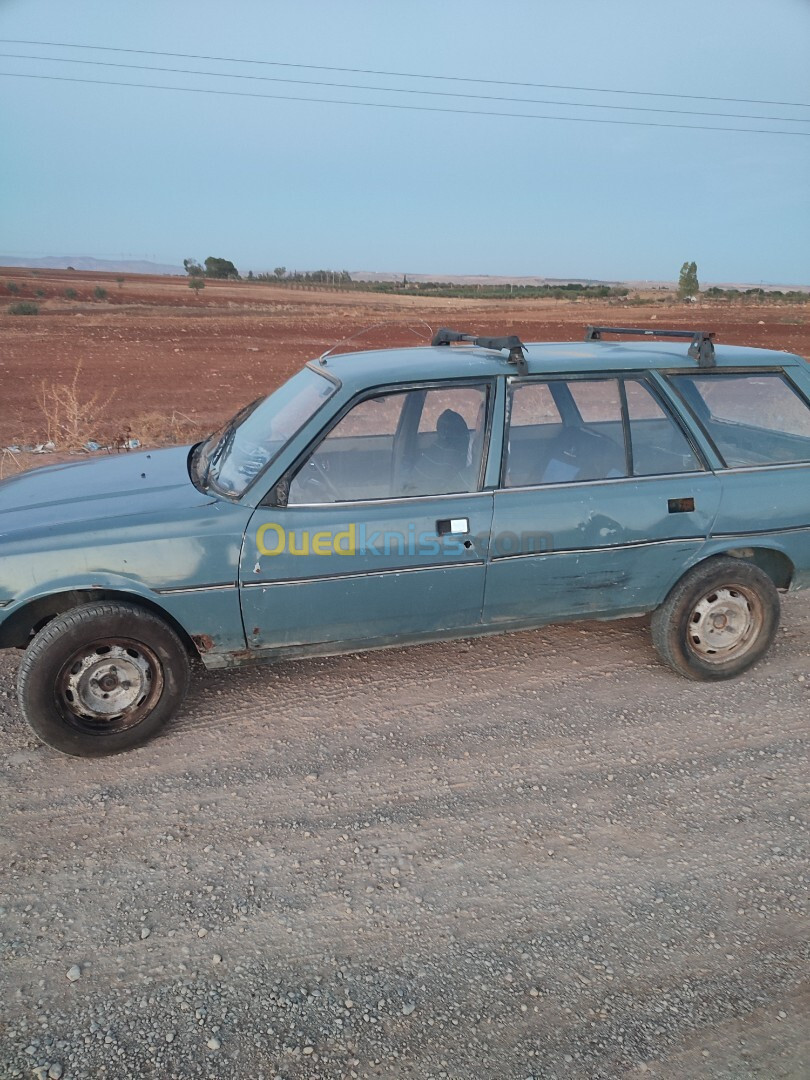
(386, 529)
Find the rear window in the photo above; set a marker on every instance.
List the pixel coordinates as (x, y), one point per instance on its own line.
(756, 419)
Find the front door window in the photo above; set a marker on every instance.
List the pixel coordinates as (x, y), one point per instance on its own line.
(405, 444)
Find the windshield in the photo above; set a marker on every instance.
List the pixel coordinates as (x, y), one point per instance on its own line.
(231, 458)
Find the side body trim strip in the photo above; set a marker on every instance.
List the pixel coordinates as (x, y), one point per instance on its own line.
(362, 573)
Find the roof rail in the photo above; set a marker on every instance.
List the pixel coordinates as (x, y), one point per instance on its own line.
(701, 348)
(517, 350)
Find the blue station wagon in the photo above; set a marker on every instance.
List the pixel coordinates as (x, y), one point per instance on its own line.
(383, 498)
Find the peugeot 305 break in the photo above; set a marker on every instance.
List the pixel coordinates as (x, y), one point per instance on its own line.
(384, 498)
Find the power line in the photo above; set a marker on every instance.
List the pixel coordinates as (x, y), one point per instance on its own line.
(405, 74)
(403, 90)
(405, 108)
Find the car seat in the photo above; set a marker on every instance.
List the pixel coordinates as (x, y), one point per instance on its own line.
(442, 466)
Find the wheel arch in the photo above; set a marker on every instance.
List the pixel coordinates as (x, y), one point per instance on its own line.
(771, 561)
(20, 627)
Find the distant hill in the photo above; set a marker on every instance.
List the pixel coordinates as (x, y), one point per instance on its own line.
(85, 262)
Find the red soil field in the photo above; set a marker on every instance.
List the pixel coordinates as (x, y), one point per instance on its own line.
(155, 349)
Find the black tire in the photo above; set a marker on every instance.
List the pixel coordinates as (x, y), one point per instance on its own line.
(102, 678)
(718, 621)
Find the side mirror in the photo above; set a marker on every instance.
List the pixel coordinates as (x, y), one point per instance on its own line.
(279, 493)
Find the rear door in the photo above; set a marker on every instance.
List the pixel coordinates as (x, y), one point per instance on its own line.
(604, 501)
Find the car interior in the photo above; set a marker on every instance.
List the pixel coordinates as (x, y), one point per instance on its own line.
(412, 454)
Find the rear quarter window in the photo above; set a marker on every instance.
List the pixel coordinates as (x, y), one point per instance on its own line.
(752, 419)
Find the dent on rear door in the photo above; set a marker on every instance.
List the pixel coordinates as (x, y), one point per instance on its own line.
(602, 550)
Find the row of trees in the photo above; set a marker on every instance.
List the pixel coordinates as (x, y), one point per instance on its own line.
(688, 284)
(689, 287)
(793, 296)
(224, 269)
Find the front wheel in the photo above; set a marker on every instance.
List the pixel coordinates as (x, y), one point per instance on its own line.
(102, 678)
(718, 620)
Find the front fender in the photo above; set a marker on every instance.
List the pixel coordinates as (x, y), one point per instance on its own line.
(209, 618)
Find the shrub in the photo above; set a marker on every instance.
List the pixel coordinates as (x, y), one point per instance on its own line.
(40, 294)
(25, 307)
(12, 287)
(71, 418)
(70, 294)
(100, 293)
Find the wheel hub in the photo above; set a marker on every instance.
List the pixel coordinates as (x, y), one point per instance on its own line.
(107, 681)
(724, 624)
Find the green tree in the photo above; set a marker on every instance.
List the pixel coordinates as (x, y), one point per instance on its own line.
(196, 283)
(220, 268)
(688, 284)
(193, 268)
(280, 272)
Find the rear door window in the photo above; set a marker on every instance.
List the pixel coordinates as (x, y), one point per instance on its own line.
(753, 419)
(565, 432)
(659, 445)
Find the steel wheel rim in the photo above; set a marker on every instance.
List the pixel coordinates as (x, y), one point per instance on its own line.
(725, 624)
(109, 686)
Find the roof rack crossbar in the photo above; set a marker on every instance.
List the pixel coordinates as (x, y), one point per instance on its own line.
(700, 349)
(517, 350)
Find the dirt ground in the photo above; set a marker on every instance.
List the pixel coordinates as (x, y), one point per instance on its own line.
(536, 856)
(542, 855)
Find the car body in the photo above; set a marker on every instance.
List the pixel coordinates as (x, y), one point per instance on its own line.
(392, 497)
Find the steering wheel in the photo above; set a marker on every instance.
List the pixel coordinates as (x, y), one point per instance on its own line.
(320, 477)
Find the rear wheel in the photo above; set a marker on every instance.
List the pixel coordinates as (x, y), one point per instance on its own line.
(102, 678)
(718, 621)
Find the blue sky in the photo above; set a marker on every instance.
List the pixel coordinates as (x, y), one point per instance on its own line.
(109, 171)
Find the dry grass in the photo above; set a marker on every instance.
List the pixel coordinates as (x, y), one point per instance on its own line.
(74, 418)
(158, 429)
(9, 462)
(71, 419)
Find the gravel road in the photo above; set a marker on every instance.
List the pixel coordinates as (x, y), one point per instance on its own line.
(542, 855)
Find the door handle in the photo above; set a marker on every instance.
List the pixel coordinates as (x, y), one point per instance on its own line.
(453, 526)
(681, 506)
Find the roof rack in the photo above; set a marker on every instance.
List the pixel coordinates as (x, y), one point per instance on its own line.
(701, 348)
(517, 350)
